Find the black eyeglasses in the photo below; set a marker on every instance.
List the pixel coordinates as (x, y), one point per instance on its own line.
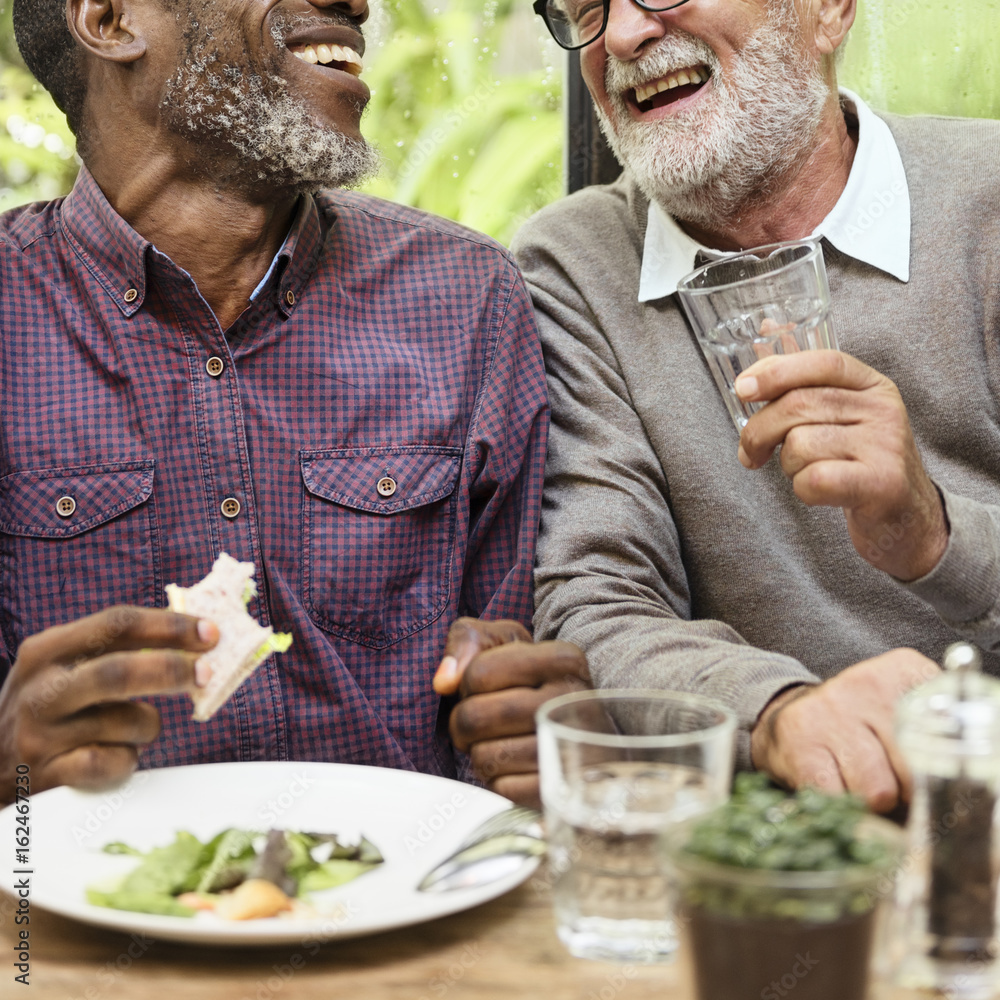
(576, 23)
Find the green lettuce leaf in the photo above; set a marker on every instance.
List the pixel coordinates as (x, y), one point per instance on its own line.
(140, 902)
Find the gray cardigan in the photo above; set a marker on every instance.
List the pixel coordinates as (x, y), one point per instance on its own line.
(675, 567)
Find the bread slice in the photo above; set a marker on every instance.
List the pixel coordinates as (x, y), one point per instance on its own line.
(222, 597)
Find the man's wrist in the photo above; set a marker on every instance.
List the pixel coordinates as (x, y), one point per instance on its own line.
(762, 734)
(911, 547)
(935, 542)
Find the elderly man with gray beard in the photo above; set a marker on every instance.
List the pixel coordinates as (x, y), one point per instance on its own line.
(806, 591)
(210, 345)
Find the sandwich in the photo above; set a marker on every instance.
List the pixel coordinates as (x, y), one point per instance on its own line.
(222, 597)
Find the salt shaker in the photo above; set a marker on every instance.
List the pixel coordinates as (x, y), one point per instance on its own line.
(946, 894)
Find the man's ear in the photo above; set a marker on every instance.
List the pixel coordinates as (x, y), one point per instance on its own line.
(833, 19)
(104, 29)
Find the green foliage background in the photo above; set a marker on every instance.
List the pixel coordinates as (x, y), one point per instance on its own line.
(920, 57)
(466, 100)
(467, 96)
(36, 146)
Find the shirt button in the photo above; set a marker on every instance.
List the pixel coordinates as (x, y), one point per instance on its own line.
(65, 506)
(230, 507)
(214, 367)
(131, 295)
(290, 297)
(386, 486)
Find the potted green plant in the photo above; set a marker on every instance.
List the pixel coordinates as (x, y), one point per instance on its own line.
(778, 892)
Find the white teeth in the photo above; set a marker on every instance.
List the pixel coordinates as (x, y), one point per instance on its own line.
(348, 59)
(678, 79)
(351, 58)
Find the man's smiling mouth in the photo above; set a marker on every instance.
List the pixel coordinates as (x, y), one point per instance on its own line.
(671, 88)
(337, 56)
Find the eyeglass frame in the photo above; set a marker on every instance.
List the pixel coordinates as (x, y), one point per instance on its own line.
(540, 6)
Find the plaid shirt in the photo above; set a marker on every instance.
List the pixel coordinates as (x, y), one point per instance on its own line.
(385, 345)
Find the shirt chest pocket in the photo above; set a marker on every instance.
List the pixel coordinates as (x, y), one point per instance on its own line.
(74, 541)
(379, 539)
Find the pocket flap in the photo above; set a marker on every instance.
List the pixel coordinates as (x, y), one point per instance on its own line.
(37, 504)
(351, 476)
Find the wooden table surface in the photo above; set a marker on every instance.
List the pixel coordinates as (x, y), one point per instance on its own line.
(504, 949)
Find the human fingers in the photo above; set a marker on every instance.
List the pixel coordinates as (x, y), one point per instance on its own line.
(498, 714)
(868, 771)
(806, 444)
(799, 764)
(111, 630)
(897, 672)
(880, 416)
(833, 483)
(526, 664)
(115, 677)
(521, 789)
(864, 697)
(127, 723)
(773, 376)
(495, 758)
(883, 726)
(92, 768)
(772, 425)
(466, 638)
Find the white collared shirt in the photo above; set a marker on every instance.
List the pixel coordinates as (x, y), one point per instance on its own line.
(870, 222)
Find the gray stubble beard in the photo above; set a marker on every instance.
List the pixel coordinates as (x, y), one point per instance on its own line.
(709, 165)
(250, 133)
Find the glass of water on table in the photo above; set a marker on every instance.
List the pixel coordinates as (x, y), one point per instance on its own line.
(619, 767)
(768, 300)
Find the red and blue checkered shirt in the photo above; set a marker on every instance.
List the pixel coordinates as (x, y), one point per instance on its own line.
(385, 345)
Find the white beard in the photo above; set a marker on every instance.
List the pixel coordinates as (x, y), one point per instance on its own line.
(707, 164)
(251, 132)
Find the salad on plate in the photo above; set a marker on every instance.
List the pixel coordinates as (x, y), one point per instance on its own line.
(238, 874)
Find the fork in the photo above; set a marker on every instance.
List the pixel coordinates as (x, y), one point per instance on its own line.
(517, 820)
(496, 848)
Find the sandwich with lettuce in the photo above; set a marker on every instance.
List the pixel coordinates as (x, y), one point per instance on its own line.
(222, 597)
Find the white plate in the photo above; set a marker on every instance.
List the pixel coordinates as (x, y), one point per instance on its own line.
(415, 820)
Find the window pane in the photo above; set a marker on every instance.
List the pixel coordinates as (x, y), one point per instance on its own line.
(467, 109)
(914, 57)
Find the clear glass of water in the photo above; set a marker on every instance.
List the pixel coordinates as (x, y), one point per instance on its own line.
(770, 300)
(619, 767)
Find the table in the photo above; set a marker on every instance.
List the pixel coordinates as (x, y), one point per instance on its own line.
(503, 950)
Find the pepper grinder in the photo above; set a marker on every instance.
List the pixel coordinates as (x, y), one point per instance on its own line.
(946, 893)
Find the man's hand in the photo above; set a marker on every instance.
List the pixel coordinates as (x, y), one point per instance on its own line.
(66, 708)
(503, 677)
(838, 735)
(846, 442)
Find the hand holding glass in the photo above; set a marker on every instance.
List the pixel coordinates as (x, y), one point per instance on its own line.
(770, 300)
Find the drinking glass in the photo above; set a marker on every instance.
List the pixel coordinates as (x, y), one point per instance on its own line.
(618, 768)
(769, 300)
